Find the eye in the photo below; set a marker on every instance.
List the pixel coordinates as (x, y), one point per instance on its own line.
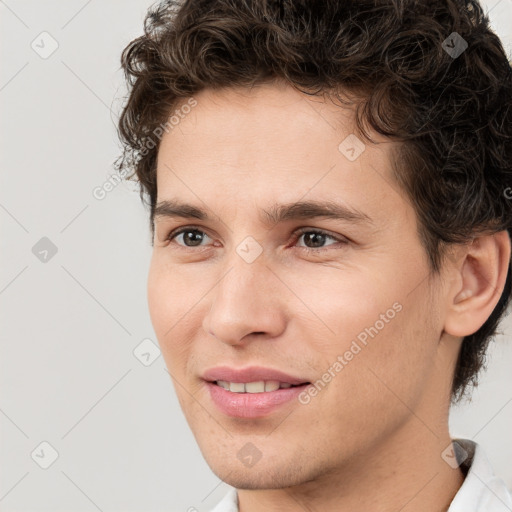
(316, 237)
(192, 235)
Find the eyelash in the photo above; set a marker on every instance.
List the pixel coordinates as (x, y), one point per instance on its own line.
(297, 234)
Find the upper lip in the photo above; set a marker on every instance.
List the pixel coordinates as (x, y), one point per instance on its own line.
(250, 374)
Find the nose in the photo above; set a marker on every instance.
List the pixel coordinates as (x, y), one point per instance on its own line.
(245, 302)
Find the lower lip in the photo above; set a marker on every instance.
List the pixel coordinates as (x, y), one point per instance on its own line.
(252, 405)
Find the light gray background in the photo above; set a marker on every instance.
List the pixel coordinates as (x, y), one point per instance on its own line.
(69, 326)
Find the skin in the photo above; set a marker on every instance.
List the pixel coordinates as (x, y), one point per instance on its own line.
(372, 438)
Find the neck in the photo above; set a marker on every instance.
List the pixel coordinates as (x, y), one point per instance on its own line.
(406, 473)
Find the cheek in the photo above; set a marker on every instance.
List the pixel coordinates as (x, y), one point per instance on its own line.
(171, 295)
(389, 373)
(169, 308)
(381, 333)
(376, 384)
(347, 304)
(160, 301)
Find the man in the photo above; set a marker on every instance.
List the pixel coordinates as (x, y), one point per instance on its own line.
(331, 252)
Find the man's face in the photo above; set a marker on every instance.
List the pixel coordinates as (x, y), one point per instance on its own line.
(240, 293)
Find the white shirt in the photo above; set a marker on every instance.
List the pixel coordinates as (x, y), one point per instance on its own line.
(481, 490)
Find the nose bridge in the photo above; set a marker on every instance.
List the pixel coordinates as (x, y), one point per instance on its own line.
(244, 285)
(242, 301)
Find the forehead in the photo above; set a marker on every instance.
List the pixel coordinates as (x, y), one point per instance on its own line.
(246, 145)
(271, 119)
(267, 108)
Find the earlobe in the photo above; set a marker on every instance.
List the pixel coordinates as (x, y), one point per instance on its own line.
(478, 288)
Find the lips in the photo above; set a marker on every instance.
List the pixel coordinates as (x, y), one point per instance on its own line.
(251, 374)
(252, 392)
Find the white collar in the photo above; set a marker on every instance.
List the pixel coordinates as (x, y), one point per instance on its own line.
(482, 490)
(229, 503)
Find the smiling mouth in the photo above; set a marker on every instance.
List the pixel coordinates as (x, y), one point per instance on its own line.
(256, 387)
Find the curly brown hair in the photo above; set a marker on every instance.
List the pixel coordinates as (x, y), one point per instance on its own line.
(451, 112)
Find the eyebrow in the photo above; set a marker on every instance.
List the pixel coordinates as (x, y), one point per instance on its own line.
(277, 212)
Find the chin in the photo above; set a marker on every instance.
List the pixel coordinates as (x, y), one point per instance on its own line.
(253, 479)
(275, 475)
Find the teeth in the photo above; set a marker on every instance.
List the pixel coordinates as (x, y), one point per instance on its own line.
(237, 387)
(271, 385)
(253, 387)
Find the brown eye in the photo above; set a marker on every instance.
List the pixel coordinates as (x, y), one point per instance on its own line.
(192, 237)
(315, 239)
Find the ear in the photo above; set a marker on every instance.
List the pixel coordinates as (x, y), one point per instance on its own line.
(479, 280)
